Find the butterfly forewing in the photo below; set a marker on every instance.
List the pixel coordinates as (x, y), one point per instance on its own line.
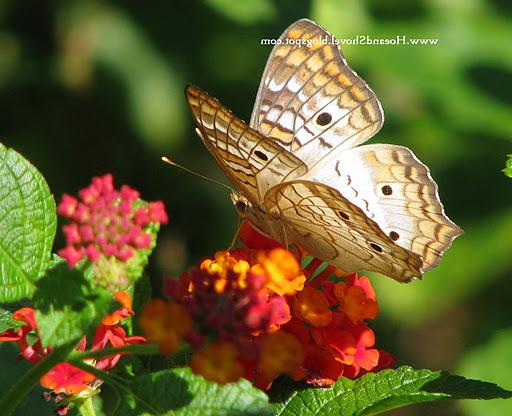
(253, 162)
(395, 189)
(310, 100)
(329, 226)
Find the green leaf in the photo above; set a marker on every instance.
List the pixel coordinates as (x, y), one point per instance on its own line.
(179, 392)
(375, 393)
(27, 226)
(67, 305)
(7, 322)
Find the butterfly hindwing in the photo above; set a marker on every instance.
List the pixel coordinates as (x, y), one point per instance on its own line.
(329, 226)
(309, 99)
(393, 188)
(253, 162)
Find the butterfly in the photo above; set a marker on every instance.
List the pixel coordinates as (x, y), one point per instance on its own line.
(301, 177)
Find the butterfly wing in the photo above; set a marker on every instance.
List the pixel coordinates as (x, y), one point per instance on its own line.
(393, 188)
(252, 162)
(310, 100)
(329, 226)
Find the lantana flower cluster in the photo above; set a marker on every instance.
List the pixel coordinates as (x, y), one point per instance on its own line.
(255, 313)
(251, 312)
(108, 226)
(66, 382)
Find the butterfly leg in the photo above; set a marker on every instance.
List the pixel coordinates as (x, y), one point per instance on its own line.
(285, 237)
(239, 226)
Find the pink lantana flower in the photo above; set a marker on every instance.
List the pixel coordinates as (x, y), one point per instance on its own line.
(110, 227)
(107, 221)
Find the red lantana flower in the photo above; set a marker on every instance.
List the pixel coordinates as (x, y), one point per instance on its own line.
(235, 303)
(64, 380)
(254, 312)
(67, 379)
(34, 352)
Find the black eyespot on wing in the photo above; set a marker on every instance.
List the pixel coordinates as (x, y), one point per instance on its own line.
(386, 190)
(323, 119)
(376, 247)
(394, 235)
(261, 155)
(343, 215)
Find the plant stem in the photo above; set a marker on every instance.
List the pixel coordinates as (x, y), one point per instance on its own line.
(86, 408)
(139, 349)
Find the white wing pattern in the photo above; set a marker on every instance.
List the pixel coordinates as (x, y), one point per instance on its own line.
(395, 189)
(373, 207)
(310, 100)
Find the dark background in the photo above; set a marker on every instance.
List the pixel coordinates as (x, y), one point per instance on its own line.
(89, 87)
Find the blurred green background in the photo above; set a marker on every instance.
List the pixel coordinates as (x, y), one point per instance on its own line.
(89, 87)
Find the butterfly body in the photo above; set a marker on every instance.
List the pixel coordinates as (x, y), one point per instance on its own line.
(301, 177)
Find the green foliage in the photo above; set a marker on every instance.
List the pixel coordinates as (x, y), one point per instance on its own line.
(244, 11)
(27, 226)
(12, 369)
(389, 389)
(491, 360)
(67, 306)
(179, 392)
(152, 88)
(508, 167)
(6, 321)
(453, 279)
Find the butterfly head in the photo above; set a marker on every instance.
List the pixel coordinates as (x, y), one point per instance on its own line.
(241, 203)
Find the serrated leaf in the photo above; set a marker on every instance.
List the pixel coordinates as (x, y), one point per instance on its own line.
(179, 392)
(27, 226)
(7, 322)
(375, 393)
(67, 306)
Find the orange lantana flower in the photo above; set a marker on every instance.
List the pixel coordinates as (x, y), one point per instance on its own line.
(283, 271)
(357, 299)
(280, 353)
(218, 362)
(125, 300)
(313, 307)
(166, 324)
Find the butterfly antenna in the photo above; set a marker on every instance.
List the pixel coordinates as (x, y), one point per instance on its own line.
(173, 163)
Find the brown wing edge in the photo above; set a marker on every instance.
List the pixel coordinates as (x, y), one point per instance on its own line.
(456, 231)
